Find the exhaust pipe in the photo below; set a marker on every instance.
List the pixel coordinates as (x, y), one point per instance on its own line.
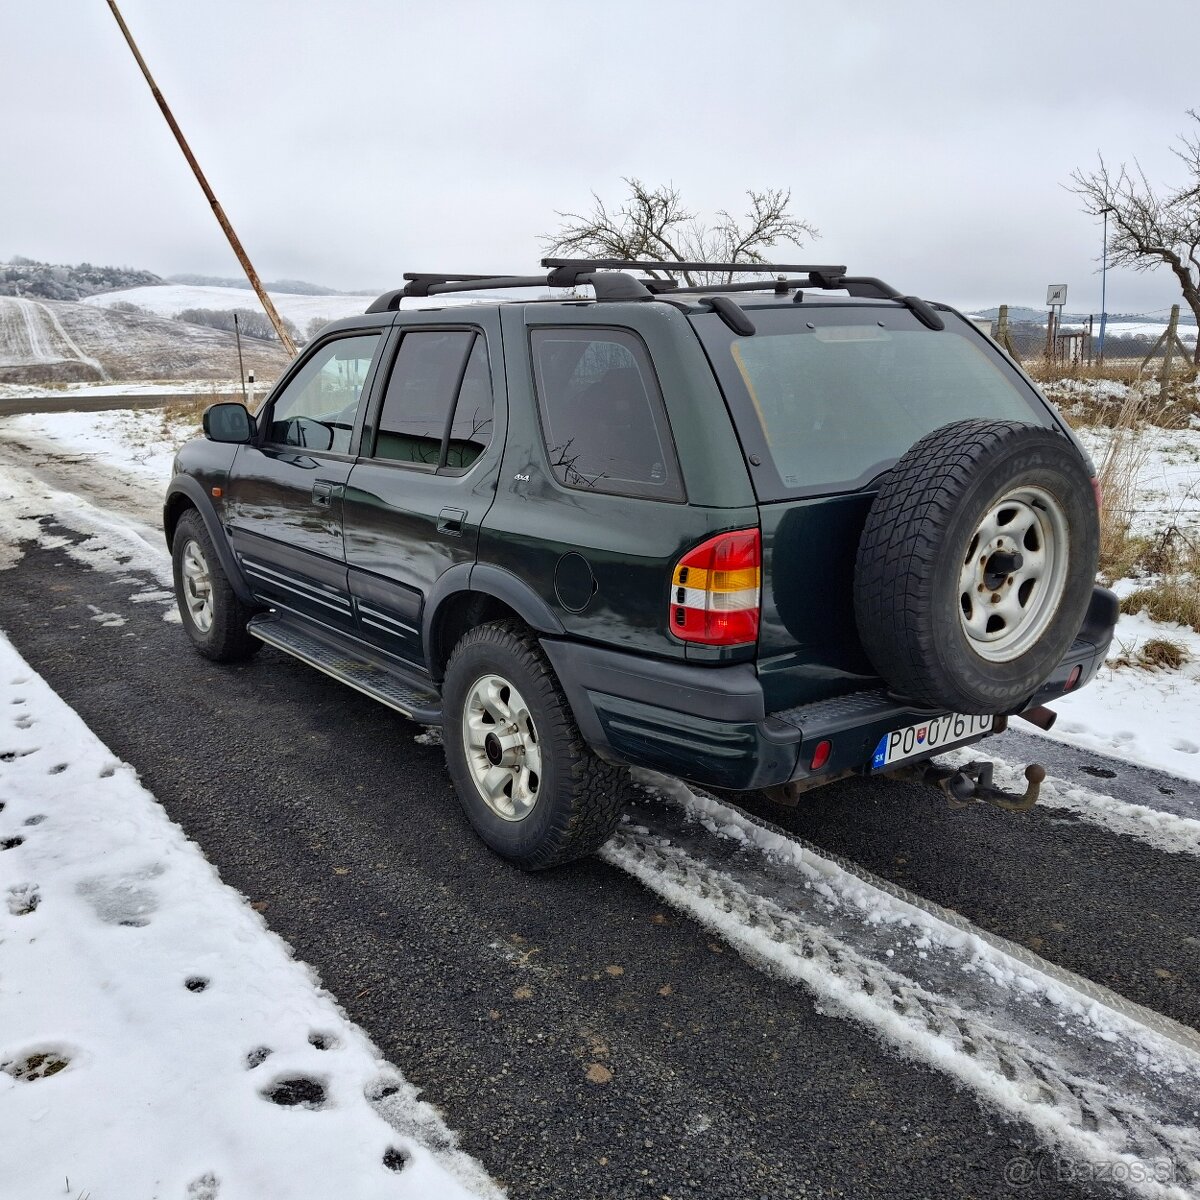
(1041, 716)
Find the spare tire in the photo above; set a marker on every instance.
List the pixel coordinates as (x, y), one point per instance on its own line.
(976, 565)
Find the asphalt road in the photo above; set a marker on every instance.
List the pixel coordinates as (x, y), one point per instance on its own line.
(498, 993)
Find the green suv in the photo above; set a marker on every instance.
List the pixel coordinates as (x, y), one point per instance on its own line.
(759, 535)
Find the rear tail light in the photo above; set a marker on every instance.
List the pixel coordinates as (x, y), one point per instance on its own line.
(715, 590)
(1098, 492)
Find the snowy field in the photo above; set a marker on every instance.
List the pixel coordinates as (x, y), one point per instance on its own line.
(169, 299)
(156, 1039)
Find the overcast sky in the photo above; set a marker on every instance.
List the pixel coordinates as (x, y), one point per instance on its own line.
(352, 141)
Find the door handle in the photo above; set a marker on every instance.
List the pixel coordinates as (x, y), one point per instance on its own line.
(450, 520)
(323, 493)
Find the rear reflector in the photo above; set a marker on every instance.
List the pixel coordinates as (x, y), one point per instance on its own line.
(1073, 678)
(715, 591)
(820, 755)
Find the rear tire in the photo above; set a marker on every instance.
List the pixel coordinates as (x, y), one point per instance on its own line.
(213, 616)
(527, 782)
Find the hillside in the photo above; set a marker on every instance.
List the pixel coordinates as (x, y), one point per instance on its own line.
(48, 281)
(47, 341)
(166, 300)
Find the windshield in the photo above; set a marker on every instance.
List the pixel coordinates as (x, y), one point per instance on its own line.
(830, 398)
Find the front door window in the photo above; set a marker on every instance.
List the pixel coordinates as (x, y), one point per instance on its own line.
(317, 408)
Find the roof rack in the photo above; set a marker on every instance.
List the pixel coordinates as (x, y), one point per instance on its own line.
(607, 276)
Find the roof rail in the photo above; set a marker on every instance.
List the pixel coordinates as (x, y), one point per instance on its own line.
(607, 276)
(609, 285)
(620, 264)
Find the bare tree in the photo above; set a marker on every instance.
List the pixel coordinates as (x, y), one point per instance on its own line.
(653, 224)
(1148, 227)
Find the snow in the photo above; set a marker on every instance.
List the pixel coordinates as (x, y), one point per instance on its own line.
(1031, 1039)
(1144, 716)
(86, 391)
(31, 334)
(141, 440)
(1170, 832)
(166, 300)
(148, 1013)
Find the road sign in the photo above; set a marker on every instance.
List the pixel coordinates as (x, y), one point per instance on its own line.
(1056, 293)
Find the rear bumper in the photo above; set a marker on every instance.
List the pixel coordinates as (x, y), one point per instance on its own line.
(709, 725)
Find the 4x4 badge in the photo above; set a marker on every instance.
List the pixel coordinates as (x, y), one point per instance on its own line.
(522, 478)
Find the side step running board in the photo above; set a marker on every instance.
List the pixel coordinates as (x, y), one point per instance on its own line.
(354, 663)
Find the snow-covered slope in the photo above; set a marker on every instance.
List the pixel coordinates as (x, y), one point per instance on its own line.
(168, 299)
(32, 339)
(45, 341)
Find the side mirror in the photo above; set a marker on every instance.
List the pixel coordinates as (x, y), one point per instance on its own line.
(228, 423)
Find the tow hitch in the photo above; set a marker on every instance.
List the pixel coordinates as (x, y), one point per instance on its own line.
(972, 783)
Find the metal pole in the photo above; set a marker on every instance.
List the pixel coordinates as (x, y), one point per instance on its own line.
(237, 333)
(1103, 282)
(218, 211)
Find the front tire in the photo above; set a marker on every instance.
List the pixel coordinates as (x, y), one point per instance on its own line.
(526, 780)
(213, 616)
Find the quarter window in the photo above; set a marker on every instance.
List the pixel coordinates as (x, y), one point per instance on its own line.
(317, 408)
(437, 373)
(602, 413)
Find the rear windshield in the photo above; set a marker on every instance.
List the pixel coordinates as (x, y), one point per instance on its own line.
(828, 398)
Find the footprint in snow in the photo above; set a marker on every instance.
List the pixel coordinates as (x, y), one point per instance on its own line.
(323, 1041)
(36, 1064)
(206, 1187)
(7, 756)
(122, 899)
(395, 1159)
(23, 898)
(23, 722)
(257, 1057)
(296, 1091)
(1185, 747)
(11, 843)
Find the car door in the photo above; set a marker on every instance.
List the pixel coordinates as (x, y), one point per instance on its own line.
(426, 475)
(285, 492)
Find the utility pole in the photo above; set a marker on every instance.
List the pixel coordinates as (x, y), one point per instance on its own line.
(218, 211)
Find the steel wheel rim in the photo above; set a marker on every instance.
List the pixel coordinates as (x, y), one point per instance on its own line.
(197, 586)
(1014, 571)
(502, 748)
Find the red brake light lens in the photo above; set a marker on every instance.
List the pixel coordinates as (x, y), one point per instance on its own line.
(820, 755)
(715, 590)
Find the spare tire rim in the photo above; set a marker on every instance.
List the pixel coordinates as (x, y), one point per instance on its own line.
(197, 587)
(501, 743)
(1013, 574)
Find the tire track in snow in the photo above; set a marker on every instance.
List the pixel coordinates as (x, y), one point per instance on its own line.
(44, 337)
(1165, 831)
(1101, 1078)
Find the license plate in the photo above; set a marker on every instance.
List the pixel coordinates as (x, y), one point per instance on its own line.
(915, 741)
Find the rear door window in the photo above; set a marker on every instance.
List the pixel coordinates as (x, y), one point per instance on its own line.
(827, 398)
(602, 413)
(437, 410)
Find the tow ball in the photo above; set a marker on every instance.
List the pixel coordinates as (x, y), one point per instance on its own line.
(972, 783)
